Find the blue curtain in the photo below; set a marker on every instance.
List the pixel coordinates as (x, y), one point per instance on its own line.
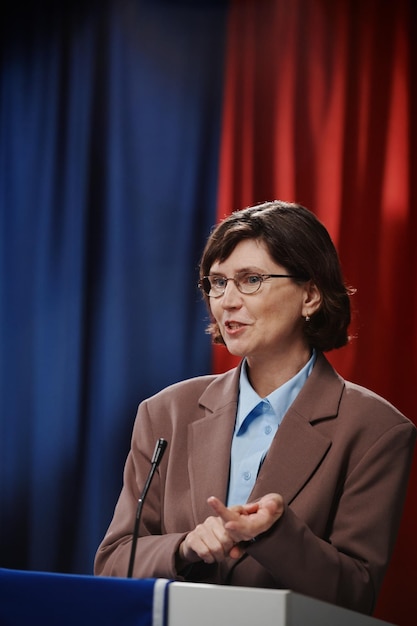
(109, 137)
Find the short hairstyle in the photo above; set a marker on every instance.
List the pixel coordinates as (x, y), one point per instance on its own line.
(298, 241)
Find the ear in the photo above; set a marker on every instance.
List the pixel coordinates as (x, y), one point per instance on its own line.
(312, 299)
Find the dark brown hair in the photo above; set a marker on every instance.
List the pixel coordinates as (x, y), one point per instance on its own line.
(298, 241)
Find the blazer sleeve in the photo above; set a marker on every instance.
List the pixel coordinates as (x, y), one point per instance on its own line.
(170, 509)
(348, 568)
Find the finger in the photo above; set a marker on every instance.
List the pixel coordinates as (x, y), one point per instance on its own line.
(242, 530)
(215, 550)
(249, 508)
(211, 541)
(222, 511)
(204, 549)
(236, 552)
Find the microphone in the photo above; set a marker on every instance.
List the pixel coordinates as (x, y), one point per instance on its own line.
(160, 448)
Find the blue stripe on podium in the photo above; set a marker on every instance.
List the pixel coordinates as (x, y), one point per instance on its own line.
(66, 599)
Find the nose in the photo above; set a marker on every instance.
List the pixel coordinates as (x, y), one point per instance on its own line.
(232, 298)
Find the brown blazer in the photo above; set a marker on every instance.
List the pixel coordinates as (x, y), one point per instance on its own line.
(341, 460)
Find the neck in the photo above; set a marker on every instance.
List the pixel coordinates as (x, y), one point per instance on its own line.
(266, 376)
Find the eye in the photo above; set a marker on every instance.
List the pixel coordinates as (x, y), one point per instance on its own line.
(218, 282)
(250, 279)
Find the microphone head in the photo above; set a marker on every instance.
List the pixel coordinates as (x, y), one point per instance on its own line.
(160, 448)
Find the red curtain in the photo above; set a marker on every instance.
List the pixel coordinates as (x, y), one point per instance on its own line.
(320, 109)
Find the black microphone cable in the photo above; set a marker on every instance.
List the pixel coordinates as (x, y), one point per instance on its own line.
(160, 448)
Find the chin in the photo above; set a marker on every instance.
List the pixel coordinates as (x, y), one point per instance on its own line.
(234, 351)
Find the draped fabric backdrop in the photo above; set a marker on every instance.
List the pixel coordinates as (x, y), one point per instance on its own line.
(110, 125)
(320, 108)
(127, 128)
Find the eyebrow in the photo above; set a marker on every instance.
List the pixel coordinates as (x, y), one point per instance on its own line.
(244, 270)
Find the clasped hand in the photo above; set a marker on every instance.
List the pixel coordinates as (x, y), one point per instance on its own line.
(221, 535)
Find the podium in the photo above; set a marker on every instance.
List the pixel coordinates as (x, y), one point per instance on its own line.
(28, 598)
(192, 604)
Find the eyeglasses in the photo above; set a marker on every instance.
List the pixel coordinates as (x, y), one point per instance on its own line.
(214, 286)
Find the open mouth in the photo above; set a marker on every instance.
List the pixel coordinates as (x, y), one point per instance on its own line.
(233, 325)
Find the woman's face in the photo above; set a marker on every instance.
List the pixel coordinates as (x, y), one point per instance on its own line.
(268, 323)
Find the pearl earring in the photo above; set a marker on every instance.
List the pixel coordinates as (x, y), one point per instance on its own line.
(308, 318)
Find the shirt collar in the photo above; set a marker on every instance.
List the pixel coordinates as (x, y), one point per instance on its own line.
(280, 399)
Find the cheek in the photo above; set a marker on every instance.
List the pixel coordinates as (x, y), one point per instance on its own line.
(286, 312)
(214, 309)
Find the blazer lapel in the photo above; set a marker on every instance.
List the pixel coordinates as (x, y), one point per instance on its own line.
(294, 454)
(298, 447)
(210, 441)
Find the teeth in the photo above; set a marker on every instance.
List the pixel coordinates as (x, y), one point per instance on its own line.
(232, 325)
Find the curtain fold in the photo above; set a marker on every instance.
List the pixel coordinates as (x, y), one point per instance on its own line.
(320, 108)
(109, 132)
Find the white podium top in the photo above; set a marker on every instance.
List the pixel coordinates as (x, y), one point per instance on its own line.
(192, 604)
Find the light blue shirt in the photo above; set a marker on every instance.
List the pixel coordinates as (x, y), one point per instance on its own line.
(255, 431)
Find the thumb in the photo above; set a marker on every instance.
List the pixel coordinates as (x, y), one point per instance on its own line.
(236, 552)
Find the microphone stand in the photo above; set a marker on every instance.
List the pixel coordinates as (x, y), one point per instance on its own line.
(160, 448)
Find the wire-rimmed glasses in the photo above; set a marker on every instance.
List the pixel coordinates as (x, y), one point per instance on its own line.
(247, 283)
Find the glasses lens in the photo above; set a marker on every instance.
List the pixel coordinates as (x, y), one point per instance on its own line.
(205, 285)
(249, 283)
(213, 286)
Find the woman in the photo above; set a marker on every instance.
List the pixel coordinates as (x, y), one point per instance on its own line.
(279, 473)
